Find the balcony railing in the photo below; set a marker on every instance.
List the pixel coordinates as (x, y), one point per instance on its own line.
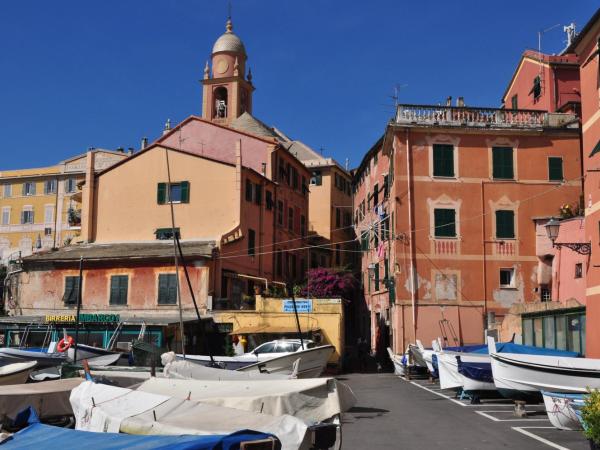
(480, 117)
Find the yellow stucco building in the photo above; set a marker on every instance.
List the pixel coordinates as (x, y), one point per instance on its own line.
(41, 208)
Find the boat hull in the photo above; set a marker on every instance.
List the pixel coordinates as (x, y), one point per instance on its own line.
(312, 363)
(13, 355)
(399, 368)
(450, 378)
(16, 373)
(96, 357)
(561, 410)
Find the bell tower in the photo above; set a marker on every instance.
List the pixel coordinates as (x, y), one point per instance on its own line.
(227, 90)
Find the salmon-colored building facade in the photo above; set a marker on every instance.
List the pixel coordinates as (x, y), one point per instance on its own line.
(464, 189)
(587, 48)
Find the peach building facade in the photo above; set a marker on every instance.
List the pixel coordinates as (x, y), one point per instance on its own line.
(465, 187)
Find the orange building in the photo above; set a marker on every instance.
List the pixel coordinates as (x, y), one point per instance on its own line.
(587, 48)
(447, 203)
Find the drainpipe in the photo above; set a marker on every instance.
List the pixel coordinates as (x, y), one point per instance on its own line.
(411, 225)
(484, 258)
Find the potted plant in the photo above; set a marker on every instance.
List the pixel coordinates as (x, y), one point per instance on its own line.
(590, 415)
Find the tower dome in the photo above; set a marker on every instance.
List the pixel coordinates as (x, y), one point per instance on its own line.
(229, 41)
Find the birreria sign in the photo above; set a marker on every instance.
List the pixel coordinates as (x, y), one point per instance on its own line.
(83, 318)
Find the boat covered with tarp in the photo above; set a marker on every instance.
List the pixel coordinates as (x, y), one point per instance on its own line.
(38, 435)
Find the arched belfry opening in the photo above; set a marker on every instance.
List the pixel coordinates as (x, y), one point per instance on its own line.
(221, 104)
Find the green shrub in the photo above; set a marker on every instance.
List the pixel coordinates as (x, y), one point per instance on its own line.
(590, 414)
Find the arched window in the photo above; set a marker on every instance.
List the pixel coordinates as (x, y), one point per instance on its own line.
(220, 107)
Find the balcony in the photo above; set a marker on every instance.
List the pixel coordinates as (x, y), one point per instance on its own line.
(433, 115)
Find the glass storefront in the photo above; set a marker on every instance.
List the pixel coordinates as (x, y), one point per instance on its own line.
(559, 329)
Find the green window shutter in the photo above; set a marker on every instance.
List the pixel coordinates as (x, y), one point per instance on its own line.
(163, 291)
(443, 160)
(161, 193)
(555, 169)
(376, 276)
(118, 289)
(68, 289)
(502, 163)
(185, 192)
(172, 280)
(505, 224)
(444, 222)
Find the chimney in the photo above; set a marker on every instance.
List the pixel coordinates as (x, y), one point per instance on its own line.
(121, 150)
(144, 143)
(449, 101)
(460, 102)
(130, 151)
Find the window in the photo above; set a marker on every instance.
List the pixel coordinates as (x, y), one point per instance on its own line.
(48, 231)
(444, 222)
(295, 182)
(178, 192)
(258, 194)
(6, 216)
(290, 219)
(507, 278)
(288, 174)
(386, 186)
(27, 217)
(280, 212)
(385, 235)
(505, 224)
(375, 195)
(364, 241)
(29, 188)
(514, 102)
(167, 289)
(269, 347)
(302, 225)
(118, 289)
(304, 186)
(545, 293)
(578, 270)
(71, 290)
(376, 273)
(166, 234)
(502, 163)
(317, 178)
(48, 214)
(536, 90)
(70, 185)
(338, 218)
(50, 187)
(249, 191)
(347, 219)
(443, 160)
(555, 169)
(269, 200)
(338, 254)
(7, 190)
(278, 264)
(251, 242)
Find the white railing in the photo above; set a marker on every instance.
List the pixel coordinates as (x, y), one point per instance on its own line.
(481, 117)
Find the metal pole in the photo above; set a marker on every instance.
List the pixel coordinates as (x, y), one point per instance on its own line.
(79, 290)
(174, 232)
(291, 289)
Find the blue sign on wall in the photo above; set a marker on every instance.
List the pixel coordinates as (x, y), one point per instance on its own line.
(302, 305)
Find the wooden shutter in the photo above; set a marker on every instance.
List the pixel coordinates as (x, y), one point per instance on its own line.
(185, 192)
(555, 169)
(161, 193)
(443, 160)
(502, 162)
(163, 291)
(172, 286)
(444, 222)
(505, 224)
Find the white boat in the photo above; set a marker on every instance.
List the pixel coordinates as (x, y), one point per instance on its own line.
(95, 356)
(516, 374)
(561, 409)
(416, 355)
(450, 378)
(427, 355)
(48, 399)
(264, 352)
(312, 363)
(16, 373)
(12, 355)
(399, 368)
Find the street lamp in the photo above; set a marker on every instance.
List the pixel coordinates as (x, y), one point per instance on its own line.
(552, 230)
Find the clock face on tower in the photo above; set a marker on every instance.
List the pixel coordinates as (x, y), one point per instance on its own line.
(222, 66)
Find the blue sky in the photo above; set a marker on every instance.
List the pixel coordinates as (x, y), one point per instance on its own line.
(76, 74)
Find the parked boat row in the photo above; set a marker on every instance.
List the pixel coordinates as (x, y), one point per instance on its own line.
(521, 373)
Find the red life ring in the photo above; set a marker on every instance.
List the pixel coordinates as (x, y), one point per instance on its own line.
(63, 345)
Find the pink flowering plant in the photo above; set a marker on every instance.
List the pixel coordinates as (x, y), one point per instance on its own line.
(329, 283)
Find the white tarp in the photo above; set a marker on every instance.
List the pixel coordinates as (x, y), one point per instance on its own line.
(101, 408)
(312, 400)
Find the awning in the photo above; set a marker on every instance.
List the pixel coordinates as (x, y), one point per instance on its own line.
(272, 329)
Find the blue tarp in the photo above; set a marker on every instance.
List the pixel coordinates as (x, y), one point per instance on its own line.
(509, 347)
(480, 371)
(42, 436)
(435, 373)
(467, 348)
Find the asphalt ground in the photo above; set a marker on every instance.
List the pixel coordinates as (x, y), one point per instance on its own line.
(393, 413)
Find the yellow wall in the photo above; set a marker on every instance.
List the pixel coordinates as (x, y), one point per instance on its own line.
(211, 211)
(327, 315)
